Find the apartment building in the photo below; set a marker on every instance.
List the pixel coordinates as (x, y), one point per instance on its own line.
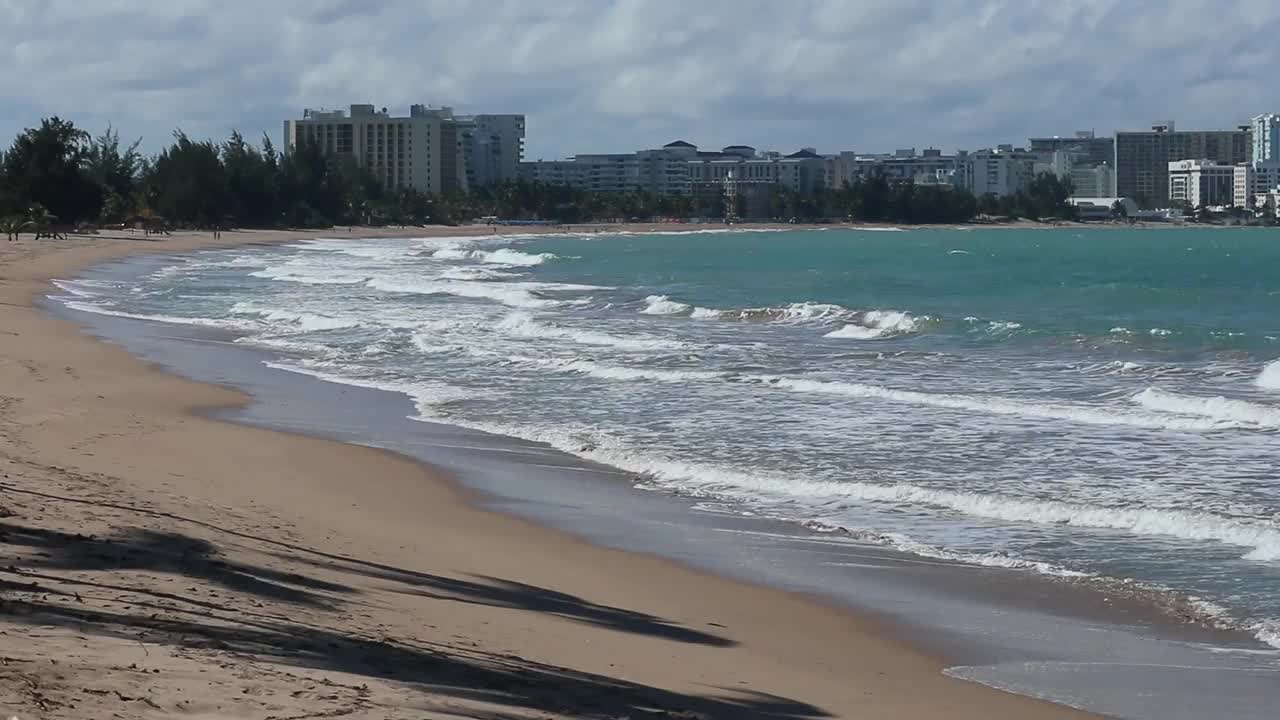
(999, 171)
(680, 168)
(430, 150)
(399, 151)
(1092, 182)
(1142, 157)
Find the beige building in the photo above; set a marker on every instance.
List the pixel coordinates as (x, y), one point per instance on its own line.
(399, 151)
(430, 150)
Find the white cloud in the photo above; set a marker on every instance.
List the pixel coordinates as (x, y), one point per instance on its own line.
(600, 75)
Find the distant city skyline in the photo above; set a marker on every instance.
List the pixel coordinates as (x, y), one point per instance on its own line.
(595, 76)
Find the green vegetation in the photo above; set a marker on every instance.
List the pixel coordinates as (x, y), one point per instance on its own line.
(57, 175)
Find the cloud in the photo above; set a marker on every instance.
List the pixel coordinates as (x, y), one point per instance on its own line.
(617, 75)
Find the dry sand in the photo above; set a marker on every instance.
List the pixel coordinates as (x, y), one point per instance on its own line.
(160, 564)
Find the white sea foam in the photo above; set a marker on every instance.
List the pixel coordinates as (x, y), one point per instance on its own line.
(1269, 378)
(500, 292)
(1241, 413)
(856, 332)
(426, 395)
(1161, 332)
(1003, 327)
(501, 256)
(476, 273)
(801, 312)
(223, 323)
(662, 305)
(1086, 414)
(87, 289)
(1260, 537)
(875, 324)
(617, 372)
(701, 313)
(297, 320)
(306, 274)
(522, 324)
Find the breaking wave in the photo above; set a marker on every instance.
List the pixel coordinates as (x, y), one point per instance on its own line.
(662, 305)
(522, 324)
(1269, 378)
(501, 256)
(1238, 413)
(503, 293)
(875, 324)
(299, 321)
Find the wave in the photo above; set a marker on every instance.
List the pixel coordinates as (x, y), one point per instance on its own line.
(875, 324)
(1260, 537)
(425, 395)
(662, 305)
(1217, 408)
(701, 231)
(1083, 414)
(617, 372)
(87, 289)
(794, 313)
(522, 324)
(296, 273)
(1089, 415)
(1269, 378)
(300, 321)
(505, 294)
(907, 544)
(501, 256)
(221, 324)
(474, 273)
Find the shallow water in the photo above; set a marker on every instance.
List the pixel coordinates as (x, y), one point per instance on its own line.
(1098, 404)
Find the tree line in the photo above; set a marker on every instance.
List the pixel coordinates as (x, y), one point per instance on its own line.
(57, 173)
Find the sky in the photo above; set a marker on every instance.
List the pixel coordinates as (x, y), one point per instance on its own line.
(621, 75)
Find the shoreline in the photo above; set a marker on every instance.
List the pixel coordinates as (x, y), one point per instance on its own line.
(609, 616)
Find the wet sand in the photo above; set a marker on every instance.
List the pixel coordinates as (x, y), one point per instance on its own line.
(162, 562)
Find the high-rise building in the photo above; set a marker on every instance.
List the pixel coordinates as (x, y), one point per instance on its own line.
(1084, 147)
(492, 148)
(1266, 139)
(1000, 171)
(1092, 182)
(399, 151)
(431, 150)
(1142, 157)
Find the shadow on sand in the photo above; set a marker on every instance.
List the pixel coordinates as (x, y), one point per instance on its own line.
(36, 595)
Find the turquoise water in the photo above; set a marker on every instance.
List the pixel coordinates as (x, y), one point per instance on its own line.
(1099, 405)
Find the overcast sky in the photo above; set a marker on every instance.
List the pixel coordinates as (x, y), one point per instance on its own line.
(618, 75)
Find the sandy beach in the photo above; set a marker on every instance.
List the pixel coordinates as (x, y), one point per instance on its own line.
(159, 563)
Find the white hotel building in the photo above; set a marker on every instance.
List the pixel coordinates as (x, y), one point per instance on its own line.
(1201, 183)
(1261, 175)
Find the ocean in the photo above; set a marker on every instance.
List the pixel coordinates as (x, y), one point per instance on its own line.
(1100, 406)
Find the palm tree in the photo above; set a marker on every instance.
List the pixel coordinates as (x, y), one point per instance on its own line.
(14, 226)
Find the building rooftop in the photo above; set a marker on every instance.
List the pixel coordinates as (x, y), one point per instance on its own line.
(680, 144)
